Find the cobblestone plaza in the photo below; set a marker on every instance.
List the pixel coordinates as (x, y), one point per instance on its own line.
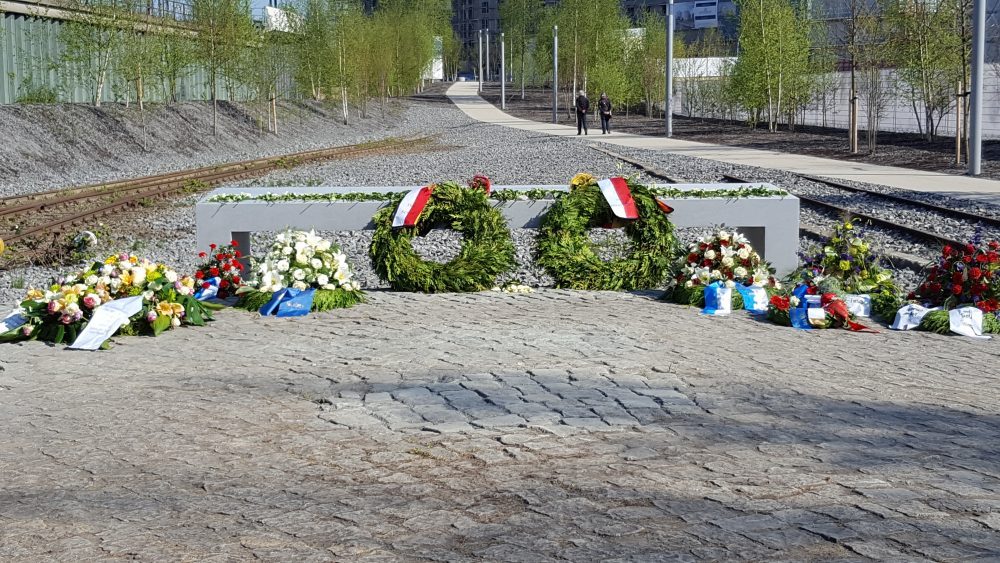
(557, 425)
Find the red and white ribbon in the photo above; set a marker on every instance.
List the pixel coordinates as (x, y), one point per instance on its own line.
(619, 197)
(412, 205)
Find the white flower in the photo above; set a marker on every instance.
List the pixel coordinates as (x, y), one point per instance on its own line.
(170, 275)
(723, 235)
(341, 276)
(147, 295)
(716, 275)
(793, 301)
(91, 280)
(743, 253)
(323, 245)
(124, 265)
(727, 261)
(138, 275)
(282, 265)
(730, 283)
(704, 274)
(299, 285)
(738, 238)
(298, 274)
(175, 322)
(710, 254)
(355, 286)
(322, 279)
(115, 283)
(107, 269)
(316, 263)
(287, 250)
(689, 283)
(329, 286)
(740, 272)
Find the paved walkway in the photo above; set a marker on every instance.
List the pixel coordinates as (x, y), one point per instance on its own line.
(555, 426)
(465, 96)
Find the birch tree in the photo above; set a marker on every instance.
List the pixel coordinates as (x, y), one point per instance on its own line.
(224, 31)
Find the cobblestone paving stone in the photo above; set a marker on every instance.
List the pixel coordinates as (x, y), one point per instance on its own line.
(551, 426)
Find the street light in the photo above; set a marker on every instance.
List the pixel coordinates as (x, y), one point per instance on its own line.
(669, 88)
(555, 74)
(480, 61)
(976, 95)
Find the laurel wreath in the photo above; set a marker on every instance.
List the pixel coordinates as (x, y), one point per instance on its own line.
(487, 249)
(568, 255)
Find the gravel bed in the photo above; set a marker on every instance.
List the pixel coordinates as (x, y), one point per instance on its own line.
(165, 232)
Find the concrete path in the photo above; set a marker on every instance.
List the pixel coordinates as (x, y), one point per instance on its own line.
(465, 96)
(556, 426)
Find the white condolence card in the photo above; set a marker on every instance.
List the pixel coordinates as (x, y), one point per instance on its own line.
(107, 319)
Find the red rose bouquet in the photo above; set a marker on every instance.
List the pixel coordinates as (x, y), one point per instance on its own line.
(222, 263)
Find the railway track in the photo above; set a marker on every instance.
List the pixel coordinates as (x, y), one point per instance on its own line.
(28, 217)
(924, 235)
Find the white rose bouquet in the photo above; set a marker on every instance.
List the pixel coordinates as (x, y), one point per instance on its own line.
(725, 257)
(302, 260)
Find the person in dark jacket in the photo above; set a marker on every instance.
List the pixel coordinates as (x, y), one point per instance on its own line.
(604, 107)
(582, 107)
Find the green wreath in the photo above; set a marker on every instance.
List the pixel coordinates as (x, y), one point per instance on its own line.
(487, 249)
(566, 253)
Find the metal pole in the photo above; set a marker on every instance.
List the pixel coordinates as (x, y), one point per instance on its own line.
(668, 98)
(976, 103)
(555, 74)
(480, 61)
(489, 73)
(503, 74)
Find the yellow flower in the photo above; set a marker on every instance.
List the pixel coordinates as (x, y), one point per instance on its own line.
(134, 260)
(177, 308)
(164, 308)
(845, 265)
(848, 226)
(111, 260)
(581, 179)
(35, 294)
(126, 278)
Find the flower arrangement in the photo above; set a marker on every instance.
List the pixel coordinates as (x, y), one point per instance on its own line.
(964, 275)
(222, 263)
(809, 294)
(302, 260)
(847, 258)
(726, 257)
(481, 182)
(59, 312)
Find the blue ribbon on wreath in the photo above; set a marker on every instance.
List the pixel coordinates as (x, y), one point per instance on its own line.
(289, 302)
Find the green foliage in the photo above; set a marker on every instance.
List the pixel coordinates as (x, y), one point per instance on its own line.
(30, 93)
(929, 53)
(565, 250)
(885, 304)
(772, 72)
(224, 31)
(487, 250)
(520, 21)
(92, 43)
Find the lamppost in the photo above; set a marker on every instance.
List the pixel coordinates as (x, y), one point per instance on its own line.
(976, 95)
(489, 73)
(555, 74)
(480, 61)
(503, 74)
(669, 88)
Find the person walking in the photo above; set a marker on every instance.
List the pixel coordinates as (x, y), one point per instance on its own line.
(604, 106)
(582, 107)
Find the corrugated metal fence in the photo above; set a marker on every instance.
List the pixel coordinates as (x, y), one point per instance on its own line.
(30, 68)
